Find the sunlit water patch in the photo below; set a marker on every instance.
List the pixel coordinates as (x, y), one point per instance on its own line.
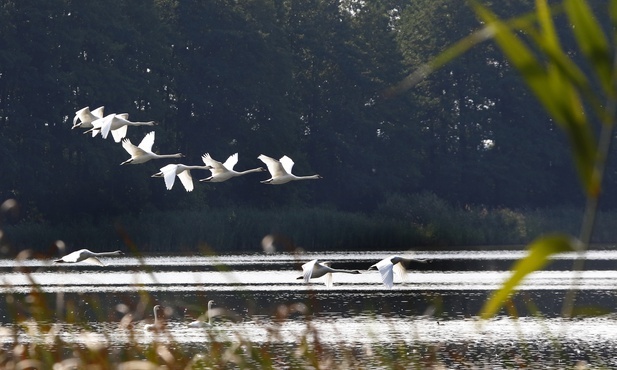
(432, 312)
(497, 343)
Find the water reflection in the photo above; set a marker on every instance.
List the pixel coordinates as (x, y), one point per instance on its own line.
(502, 342)
(432, 313)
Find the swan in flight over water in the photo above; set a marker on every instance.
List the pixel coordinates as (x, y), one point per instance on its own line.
(84, 117)
(158, 324)
(86, 255)
(200, 322)
(143, 152)
(280, 171)
(225, 171)
(315, 269)
(169, 173)
(388, 266)
(117, 124)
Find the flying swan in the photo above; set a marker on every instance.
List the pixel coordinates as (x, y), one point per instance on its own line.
(143, 152)
(280, 171)
(388, 266)
(315, 269)
(86, 255)
(117, 124)
(225, 171)
(169, 173)
(84, 117)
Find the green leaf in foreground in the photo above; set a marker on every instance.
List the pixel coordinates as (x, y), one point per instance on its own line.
(539, 253)
(591, 40)
(554, 82)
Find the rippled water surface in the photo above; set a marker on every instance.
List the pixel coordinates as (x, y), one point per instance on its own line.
(433, 312)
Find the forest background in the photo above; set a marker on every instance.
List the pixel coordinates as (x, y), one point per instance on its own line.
(468, 157)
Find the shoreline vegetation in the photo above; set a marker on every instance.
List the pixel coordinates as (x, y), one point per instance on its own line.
(421, 221)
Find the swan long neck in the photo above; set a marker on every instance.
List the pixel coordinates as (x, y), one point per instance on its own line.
(177, 155)
(311, 177)
(156, 317)
(259, 169)
(210, 312)
(114, 253)
(198, 167)
(344, 271)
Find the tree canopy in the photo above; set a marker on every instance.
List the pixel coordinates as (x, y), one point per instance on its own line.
(278, 77)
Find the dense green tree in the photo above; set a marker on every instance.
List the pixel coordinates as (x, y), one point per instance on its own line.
(301, 78)
(485, 139)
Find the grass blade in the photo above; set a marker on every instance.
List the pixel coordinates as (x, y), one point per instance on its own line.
(539, 255)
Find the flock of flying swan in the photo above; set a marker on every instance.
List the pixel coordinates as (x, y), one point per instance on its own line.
(310, 270)
(386, 267)
(96, 122)
(313, 269)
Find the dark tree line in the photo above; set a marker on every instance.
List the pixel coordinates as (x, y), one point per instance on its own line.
(301, 78)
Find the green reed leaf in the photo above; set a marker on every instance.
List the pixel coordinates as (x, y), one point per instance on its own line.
(539, 255)
(554, 82)
(591, 40)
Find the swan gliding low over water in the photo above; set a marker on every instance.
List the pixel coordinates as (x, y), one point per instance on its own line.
(86, 255)
(388, 266)
(315, 269)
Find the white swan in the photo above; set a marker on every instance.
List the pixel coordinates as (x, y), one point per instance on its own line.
(169, 172)
(95, 125)
(143, 152)
(281, 171)
(86, 255)
(118, 125)
(388, 266)
(84, 117)
(315, 269)
(158, 324)
(200, 322)
(225, 171)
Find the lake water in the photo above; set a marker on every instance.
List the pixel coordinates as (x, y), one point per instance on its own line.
(432, 315)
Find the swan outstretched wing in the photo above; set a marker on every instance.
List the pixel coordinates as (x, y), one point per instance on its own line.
(130, 148)
(385, 268)
(328, 280)
(147, 142)
(81, 255)
(98, 112)
(287, 163)
(169, 174)
(307, 270)
(400, 270)
(80, 115)
(231, 161)
(217, 167)
(274, 167)
(94, 261)
(119, 133)
(186, 179)
(106, 125)
(72, 257)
